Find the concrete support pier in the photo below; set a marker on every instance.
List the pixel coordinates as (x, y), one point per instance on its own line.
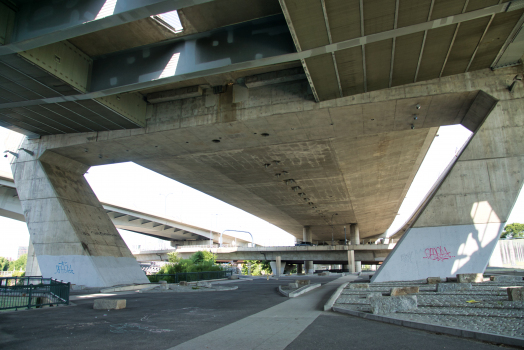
(308, 237)
(459, 226)
(72, 237)
(354, 235)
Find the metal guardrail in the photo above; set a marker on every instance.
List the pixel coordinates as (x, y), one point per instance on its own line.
(33, 291)
(190, 276)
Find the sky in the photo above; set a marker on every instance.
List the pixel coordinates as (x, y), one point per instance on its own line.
(130, 185)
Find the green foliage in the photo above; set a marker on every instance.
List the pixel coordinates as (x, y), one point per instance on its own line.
(4, 264)
(514, 230)
(173, 257)
(203, 257)
(18, 274)
(257, 267)
(18, 264)
(198, 262)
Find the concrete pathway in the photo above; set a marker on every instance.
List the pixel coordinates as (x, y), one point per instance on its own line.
(274, 328)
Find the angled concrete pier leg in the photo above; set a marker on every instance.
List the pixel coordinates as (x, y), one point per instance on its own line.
(459, 227)
(32, 268)
(72, 237)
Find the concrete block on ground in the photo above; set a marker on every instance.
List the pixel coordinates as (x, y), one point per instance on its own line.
(302, 283)
(396, 291)
(506, 278)
(452, 287)
(470, 277)
(373, 294)
(386, 305)
(358, 285)
(182, 283)
(233, 277)
(292, 285)
(203, 284)
(433, 280)
(109, 304)
(515, 294)
(451, 279)
(163, 285)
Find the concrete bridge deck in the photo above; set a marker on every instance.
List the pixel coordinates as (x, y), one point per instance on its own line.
(367, 253)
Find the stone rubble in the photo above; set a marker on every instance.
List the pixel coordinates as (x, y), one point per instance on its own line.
(481, 307)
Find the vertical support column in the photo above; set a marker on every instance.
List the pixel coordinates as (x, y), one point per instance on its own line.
(355, 240)
(72, 237)
(351, 261)
(308, 237)
(310, 269)
(299, 269)
(279, 266)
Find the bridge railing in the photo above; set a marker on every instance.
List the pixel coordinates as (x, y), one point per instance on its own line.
(190, 276)
(33, 291)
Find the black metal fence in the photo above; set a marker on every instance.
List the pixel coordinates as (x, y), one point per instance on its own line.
(28, 292)
(190, 276)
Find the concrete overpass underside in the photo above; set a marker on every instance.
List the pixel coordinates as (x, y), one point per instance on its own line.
(292, 110)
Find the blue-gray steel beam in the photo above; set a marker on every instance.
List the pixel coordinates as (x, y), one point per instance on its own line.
(43, 22)
(222, 61)
(267, 37)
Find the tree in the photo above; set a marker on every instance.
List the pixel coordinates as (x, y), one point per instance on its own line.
(203, 256)
(4, 264)
(173, 257)
(18, 264)
(514, 230)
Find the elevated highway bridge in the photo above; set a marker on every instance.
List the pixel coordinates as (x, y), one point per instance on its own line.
(310, 114)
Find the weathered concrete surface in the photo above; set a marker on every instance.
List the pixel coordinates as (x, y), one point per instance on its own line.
(109, 304)
(296, 255)
(515, 294)
(433, 280)
(458, 228)
(385, 305)
(377, 126)
(470, 277)
(397, 291)
(72, 236)
(451, 287)
(359, 286)
(506, 278)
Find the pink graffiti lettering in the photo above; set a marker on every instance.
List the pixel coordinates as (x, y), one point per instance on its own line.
(438, 254)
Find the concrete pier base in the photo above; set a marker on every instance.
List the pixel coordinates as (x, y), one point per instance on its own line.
(310, 269)
(459, 225)
(72, 237)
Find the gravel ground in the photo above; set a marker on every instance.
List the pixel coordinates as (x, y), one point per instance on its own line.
(491, 312)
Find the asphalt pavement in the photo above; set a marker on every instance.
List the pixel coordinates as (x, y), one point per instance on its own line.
(255, 316)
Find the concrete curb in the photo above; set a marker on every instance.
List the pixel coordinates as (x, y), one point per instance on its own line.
(487, 337)
(334, 297)
(298, 291)
(124, 288)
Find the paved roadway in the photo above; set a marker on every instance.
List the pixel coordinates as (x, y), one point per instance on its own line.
(253, 317)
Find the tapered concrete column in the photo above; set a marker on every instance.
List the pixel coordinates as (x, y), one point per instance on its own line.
(460, 223)
(358, 266)
(351, 260)
(354, 234)
(72, 237)
(310, 269)
(308, 237)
